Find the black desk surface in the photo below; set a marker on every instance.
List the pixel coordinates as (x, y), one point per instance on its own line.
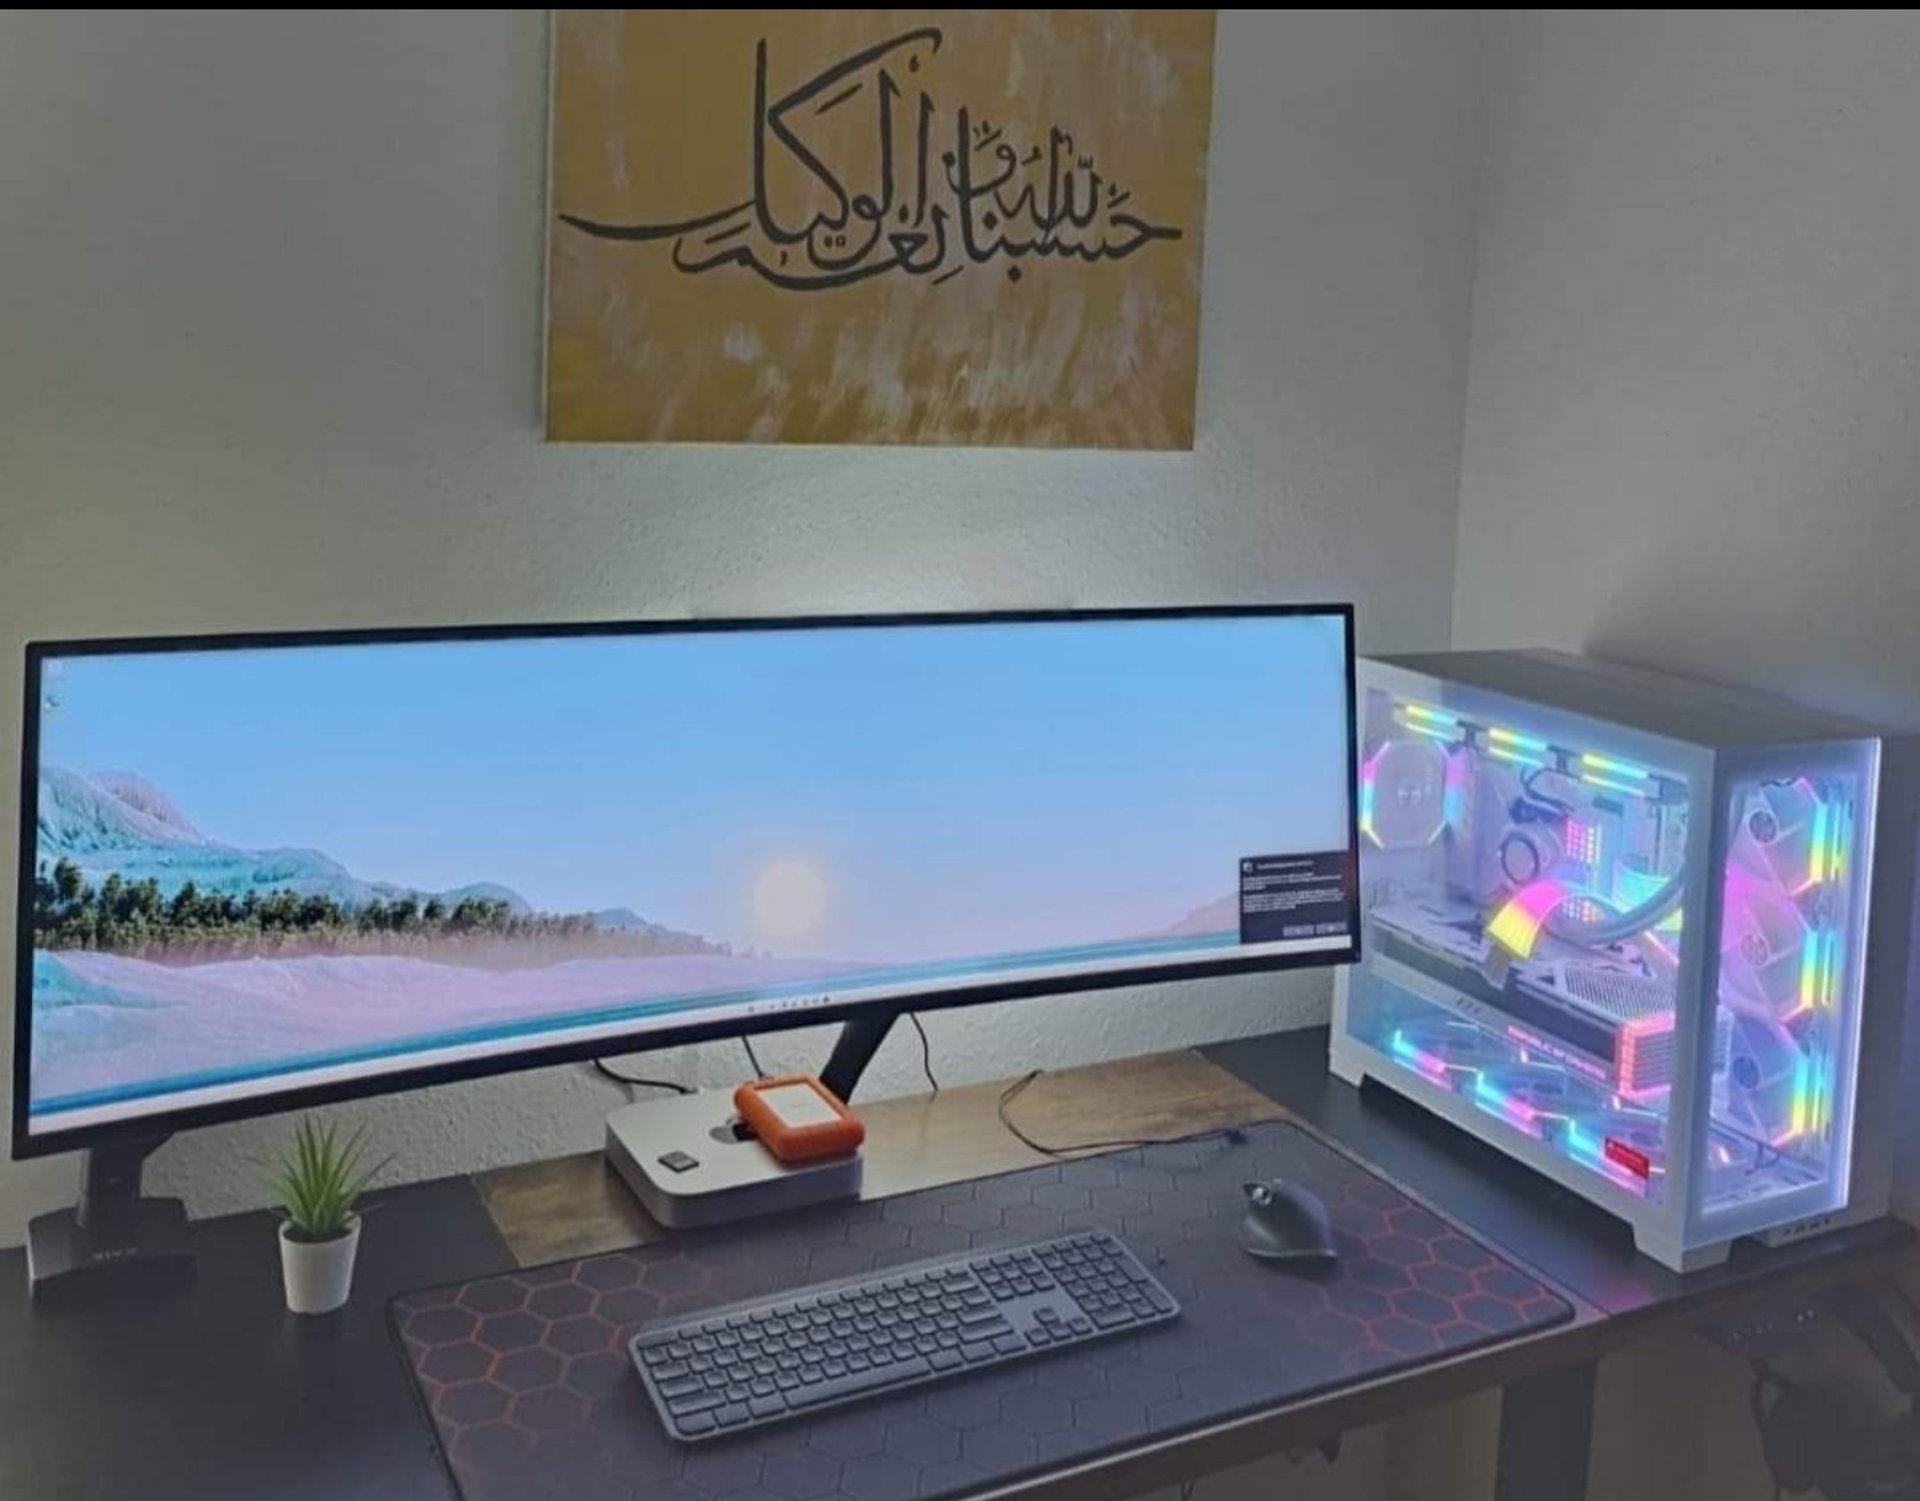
(222, 1396)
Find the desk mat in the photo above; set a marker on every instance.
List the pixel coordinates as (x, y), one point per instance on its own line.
(527, 1382)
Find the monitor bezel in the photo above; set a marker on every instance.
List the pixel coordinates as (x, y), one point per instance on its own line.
(160, 1123)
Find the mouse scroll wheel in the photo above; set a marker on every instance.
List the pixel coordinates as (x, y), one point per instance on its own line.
(1260, 1194)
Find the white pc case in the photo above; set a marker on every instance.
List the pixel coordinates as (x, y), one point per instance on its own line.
(1648, 936)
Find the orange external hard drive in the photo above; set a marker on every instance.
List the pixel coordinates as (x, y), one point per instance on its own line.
(798, 1118)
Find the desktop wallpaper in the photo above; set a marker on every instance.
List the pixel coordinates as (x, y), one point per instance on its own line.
(255, 863)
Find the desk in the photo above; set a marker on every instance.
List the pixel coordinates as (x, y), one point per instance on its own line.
(221, 1396)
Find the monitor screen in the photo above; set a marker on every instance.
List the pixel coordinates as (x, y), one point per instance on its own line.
(273, 871)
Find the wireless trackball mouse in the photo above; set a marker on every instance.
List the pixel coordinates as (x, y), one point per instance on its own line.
(1285, 1222)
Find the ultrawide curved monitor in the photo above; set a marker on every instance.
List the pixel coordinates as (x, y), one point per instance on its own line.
(273, 871)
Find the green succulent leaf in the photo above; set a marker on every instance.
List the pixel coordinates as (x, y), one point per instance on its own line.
(321, 1179)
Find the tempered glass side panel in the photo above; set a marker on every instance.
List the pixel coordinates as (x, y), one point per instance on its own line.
(1523, 902)
(1788, 992)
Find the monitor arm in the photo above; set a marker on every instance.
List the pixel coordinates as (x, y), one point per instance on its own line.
(853, 1050)
(110, 1183)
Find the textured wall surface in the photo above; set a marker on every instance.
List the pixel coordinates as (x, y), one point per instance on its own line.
(1691, 436)
(270, 290)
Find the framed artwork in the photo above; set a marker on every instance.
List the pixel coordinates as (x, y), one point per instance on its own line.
(847, 226)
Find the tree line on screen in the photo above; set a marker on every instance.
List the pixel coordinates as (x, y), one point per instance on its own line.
(137, 917)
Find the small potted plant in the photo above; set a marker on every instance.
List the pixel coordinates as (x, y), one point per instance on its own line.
(318, 1189)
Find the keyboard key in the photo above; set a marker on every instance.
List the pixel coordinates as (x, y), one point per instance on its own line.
(866, 1381)
(732, 1415)
(766, 1407)
(686, 1406)
(945, 1360)
(1007, 1344)
(685, 1386)
(698, 1423)
(977, 1351)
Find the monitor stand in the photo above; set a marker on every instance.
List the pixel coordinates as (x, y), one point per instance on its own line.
(113, 1240)
(692, 1163)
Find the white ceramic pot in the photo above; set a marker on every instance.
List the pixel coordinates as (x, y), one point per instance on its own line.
(319, 1273)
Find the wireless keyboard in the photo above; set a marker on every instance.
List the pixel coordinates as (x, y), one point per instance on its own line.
(750, 1364)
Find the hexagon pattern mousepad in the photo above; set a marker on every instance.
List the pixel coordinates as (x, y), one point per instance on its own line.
(528, 1384)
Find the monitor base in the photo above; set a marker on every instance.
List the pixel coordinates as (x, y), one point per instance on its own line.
(691, 1164)
(113, 1240)
(141, 1251)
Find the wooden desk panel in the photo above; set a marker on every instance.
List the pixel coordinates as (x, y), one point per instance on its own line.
(577, 1206)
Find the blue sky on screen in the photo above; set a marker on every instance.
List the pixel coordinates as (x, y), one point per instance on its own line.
(856, 793)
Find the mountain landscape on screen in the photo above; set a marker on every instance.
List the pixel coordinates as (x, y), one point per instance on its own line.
(163, 953)
(117, 823)
(165, 959)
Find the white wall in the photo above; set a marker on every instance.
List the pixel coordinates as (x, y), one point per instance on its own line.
(269, 352)
(1691, 434)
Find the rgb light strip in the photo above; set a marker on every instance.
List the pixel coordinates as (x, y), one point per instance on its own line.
(1503, 744)
(1522, 750)
(1821, 968)
(1435, 723)
(1409, 1052)
(1615, 776)
(1370, 792)
(1491, 1095)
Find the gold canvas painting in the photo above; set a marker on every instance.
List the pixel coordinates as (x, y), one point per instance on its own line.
(847, 226)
